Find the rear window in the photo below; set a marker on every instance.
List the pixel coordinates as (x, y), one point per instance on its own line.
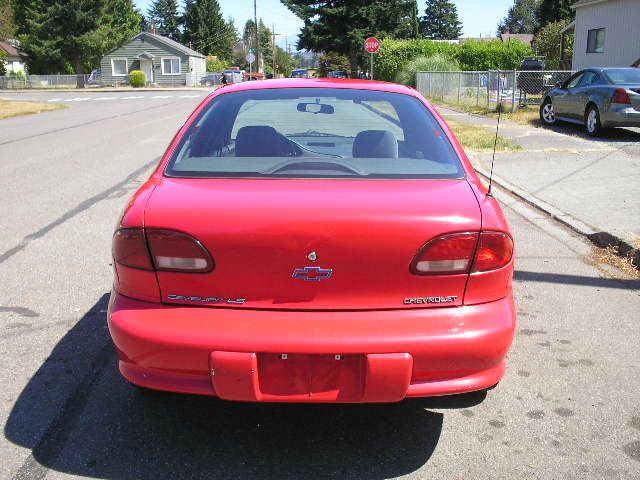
(623, 76)
(315, 133)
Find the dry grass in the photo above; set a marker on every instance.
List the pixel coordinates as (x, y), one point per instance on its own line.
(610, 256)
(525, 116)
(10, 108)
(478, 139)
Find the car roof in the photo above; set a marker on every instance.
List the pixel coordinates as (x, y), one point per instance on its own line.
(320, 83)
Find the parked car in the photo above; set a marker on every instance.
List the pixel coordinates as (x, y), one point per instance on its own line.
(337, 74)
(597, 98)
(211, 79)
(234, 75)
(293, 246)
(300, 73)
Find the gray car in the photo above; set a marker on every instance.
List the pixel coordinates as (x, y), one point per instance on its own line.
(597, 98)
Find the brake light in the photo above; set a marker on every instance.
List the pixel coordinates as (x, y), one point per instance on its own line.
(495, 250)
(130, 249)
(178, 252)
(621, 96)
(448, 254)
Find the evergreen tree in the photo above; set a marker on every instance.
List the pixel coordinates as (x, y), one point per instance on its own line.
(206, 31)
(7, 25)
(522, 17)
(164, 14)
(342, 26)
(441, 21)
(66, 36)
(550, 11)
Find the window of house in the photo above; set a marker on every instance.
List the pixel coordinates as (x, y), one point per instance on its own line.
(119, 67)
(171, 66)
(595, 40)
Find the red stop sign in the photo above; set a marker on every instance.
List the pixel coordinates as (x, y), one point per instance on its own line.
(372, 44)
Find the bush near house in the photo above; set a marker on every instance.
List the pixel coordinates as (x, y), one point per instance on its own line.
(215, 64)
(470, 55)
(137, 78)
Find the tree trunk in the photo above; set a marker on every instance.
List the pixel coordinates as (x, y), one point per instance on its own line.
(79, 72)
(353, 60)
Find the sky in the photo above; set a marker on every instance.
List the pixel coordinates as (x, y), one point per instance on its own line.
(479, 17)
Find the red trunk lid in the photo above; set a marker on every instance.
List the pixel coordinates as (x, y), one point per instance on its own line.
(260, 232)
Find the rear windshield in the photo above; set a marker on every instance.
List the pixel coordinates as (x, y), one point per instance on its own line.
(622, 76)
(315, 133)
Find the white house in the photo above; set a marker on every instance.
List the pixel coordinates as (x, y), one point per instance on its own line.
(15, 59)
(607, 33)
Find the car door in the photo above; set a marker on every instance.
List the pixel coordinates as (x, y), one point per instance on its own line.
(579, 96)
(563, 104)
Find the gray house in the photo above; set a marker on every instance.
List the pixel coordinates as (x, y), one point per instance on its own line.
(165, 61)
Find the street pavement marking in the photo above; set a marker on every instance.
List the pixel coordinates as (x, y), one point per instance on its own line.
(106, 98)
(188, 96)
(54, 99)
(162, 96)
(132, 98)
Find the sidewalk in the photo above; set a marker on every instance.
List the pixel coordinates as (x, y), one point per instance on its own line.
(592, 185)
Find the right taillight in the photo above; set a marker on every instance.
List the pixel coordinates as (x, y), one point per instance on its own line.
(621, 96)
(495, 250)
(178, 252)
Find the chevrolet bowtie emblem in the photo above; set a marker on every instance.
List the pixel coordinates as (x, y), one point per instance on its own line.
(312, 274)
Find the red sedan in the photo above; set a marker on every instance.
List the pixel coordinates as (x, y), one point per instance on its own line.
(313, 241)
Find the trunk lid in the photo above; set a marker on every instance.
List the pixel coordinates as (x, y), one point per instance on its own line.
(365, 233)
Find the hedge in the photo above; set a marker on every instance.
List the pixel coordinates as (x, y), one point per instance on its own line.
(470, 55)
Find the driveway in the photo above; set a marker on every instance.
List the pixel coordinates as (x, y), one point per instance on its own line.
(568, 407)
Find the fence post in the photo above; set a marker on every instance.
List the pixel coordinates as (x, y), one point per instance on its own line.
(459, 82)
(499, 89)
(488, 89)
(430, 82)
(513, 92)
(478, 91)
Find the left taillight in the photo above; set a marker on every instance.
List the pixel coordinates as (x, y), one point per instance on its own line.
(130, 249)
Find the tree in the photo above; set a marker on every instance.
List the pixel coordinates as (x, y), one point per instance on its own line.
(164, 14)
(441, 21)
(342, 26)
(7, 25)
(521, 18)
(550, 11)
(265, 52)
(330, 62)
(206, 31)
(549, 43)
(65, 36)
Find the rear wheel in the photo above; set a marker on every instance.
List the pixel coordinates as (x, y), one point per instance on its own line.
(547, 114)
(592, 121)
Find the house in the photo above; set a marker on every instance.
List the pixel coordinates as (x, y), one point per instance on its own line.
(165, 62)
(15, 61)
(607, 33)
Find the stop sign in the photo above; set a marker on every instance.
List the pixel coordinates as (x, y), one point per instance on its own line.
(372, 44)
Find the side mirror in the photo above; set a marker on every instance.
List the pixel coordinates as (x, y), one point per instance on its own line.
(558, 85)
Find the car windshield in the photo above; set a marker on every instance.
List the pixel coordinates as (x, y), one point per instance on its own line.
(315, 133)
(623, 76)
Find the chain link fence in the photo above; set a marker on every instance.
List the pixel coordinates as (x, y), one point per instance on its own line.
(488, 88)
(46, 81)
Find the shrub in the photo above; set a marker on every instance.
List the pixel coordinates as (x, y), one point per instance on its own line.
(214, 64)
(137, 78)
(434, 63)
(548, 42)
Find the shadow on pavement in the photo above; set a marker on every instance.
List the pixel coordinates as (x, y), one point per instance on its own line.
(101, 426)
(562, 278)
(610, 135)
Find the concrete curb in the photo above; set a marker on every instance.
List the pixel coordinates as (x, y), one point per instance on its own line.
(602, 239)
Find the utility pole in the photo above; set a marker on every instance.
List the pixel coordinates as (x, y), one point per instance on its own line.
(273, 47)
(255, 21)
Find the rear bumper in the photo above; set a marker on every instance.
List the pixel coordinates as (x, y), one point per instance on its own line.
(383, 356)
(621, 116)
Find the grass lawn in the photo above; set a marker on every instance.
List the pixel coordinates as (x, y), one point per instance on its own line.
(10, 108)
(478, 139)
(526, 115)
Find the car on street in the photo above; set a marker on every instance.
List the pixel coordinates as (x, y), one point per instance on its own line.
(300, 73)
(597, 98)
(313, 240)
(211, 78)
(337, 74)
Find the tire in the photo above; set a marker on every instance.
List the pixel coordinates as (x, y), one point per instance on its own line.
(547, 114)
(592, 124)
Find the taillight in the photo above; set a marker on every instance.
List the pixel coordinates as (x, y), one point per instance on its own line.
(178, 252)
(130, 249)
(448, 254)
(495, 250)
(621, 96)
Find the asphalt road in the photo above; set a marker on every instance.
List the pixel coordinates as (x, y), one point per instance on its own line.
(568, 407)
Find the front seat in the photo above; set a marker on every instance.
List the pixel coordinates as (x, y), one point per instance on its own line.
(375, 144)
(262, 141)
